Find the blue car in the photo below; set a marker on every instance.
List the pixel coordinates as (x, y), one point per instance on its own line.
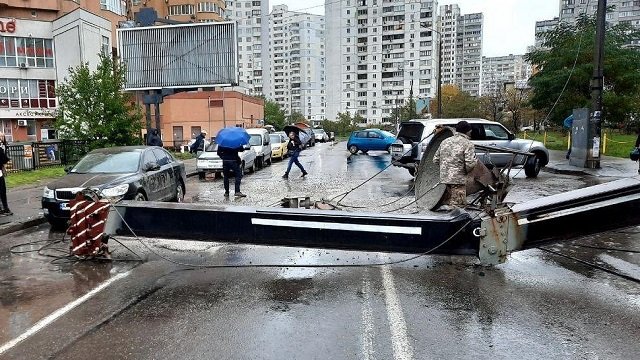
(370, 139)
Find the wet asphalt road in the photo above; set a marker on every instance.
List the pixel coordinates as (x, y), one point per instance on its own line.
(537, 305)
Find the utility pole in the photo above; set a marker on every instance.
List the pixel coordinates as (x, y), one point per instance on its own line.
(397, 113)
(597, 85)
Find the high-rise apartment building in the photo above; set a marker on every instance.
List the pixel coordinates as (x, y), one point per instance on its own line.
(378, 51)
(542, 27)
(182, 10)
(623, 11)
(297, 60)
(461, 48)
(498, 70)
(253, 42)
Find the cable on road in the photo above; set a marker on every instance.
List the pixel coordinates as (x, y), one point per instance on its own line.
(220, 266)
(592, 265)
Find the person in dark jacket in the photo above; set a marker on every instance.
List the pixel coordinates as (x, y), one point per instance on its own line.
(231, 162)
(198, 146)
(638, 146)
(4, 159)
(294, 146)
(154, 139)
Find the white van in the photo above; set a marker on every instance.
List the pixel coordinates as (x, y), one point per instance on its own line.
(260, 143)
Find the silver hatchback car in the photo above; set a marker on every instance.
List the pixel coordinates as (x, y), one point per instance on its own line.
(414, 135)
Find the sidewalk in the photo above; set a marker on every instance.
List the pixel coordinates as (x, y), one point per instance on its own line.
(24, 202)
(609, 166)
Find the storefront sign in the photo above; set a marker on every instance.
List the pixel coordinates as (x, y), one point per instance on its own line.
(28, 113)
(8, 26)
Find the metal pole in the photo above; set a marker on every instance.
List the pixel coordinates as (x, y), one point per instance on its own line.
(224, 111)
(595, 123)
(439, 75)
(147, 107)
(209, 112)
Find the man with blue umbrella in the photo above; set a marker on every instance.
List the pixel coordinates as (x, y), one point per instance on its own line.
(230, 142)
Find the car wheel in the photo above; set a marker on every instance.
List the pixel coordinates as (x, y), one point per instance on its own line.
(179, 193)
(388, 149)
(202, 175)
(353, 149)
(242, 168)
(140, 197)
(269, 161)
(532, 167)
(412, 171)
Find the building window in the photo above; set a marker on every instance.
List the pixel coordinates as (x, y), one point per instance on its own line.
(26, 52)
(105, 45)
(181, 10)
(34, 94)
(115, 6)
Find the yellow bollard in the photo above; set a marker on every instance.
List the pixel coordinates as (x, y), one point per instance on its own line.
(569, 141)
(525, 135)
(604, 144)
(544, 141)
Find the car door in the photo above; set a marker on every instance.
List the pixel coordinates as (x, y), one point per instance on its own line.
(498, 135)
(375, 141)
(168, 180)
(152, 183)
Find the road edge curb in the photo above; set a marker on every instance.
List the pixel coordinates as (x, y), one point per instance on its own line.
(15, 226)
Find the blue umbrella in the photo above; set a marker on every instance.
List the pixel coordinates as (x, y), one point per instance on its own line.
(568, 122)
(232, 137)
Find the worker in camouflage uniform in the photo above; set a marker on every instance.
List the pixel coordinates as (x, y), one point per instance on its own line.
(457, 157)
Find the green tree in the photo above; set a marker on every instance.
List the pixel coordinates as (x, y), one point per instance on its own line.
(296, 117)
(570, 44)
(94, 107)
(456, 103)
(274, 115)
(343, 125)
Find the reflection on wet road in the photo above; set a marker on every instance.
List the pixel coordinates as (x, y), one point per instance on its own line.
(537, 305)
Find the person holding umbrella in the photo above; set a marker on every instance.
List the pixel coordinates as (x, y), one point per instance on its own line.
(294, 146)
(232, 141)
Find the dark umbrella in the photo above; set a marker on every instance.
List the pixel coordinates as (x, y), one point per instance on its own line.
(302, 135)
(232, 137)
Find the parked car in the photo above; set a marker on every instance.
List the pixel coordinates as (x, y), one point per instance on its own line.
(321, 135)
(210, 162)
(261, 144)
(132, 173)
(370, 139)
(414, 135)
(278, 146)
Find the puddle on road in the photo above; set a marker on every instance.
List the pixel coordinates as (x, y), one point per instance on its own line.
(32, 286)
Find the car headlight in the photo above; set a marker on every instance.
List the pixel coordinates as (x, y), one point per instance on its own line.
(48, 193)
(115, 191)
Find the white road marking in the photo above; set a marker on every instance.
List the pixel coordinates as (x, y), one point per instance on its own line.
(402, 349)
(368, 330)
(338, 226)
(60, 312)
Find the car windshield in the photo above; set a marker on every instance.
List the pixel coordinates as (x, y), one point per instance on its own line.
(276, 139)
(386, 133)
(320, 131)
(213, 147)
(110, 163)
(255, 140)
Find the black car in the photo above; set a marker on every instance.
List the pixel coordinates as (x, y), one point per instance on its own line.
(131, 173)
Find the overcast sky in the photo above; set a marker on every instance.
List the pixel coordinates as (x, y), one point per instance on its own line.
(508, 24)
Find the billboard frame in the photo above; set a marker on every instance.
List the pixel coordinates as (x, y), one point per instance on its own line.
(194, 86)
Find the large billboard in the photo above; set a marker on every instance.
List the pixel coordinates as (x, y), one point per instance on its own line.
(179, 56)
